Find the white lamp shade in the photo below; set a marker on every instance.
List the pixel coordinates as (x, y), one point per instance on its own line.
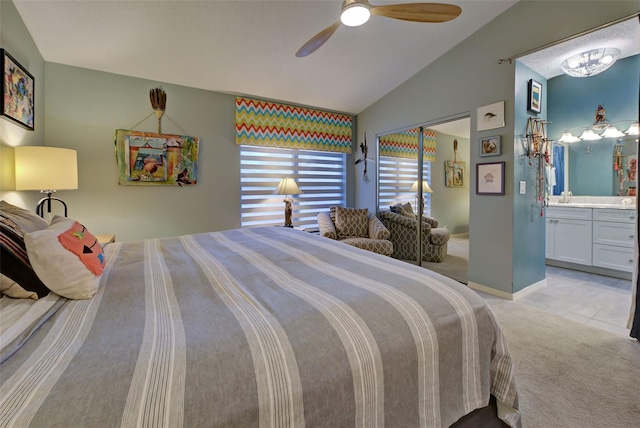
(425, 187)
(46, 168)
(612, 132)
(589, 135)
(633, 129)
(287, 186)
(568, 137)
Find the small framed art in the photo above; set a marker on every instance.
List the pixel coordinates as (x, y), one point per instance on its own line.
(490, 116)
(490, 146)
(17, 91)
(490, 178)
(534, 96)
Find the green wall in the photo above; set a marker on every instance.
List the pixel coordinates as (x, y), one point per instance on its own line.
(468, 77)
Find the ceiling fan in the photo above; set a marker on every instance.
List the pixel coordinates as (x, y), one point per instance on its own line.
(357, 12)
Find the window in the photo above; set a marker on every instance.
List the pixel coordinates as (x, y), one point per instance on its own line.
(396, 177)
(320, 175)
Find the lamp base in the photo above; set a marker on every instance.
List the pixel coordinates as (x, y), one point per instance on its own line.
(47, 199)
(287, 213)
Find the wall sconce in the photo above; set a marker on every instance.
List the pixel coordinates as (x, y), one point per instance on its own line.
(287, 186)
(46, 169)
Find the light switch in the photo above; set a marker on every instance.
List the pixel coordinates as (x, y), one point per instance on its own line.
(523, 187)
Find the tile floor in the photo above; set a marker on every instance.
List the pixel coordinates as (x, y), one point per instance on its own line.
(595, 300)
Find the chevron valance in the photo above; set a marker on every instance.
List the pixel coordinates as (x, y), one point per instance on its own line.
(404, 144)
(262, 123)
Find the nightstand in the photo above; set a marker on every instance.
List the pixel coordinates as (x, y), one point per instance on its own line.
(106, 239)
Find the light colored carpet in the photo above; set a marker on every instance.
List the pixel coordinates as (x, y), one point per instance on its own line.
(569, 374)
(456, 262)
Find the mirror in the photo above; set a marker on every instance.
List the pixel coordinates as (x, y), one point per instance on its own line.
(603, 167)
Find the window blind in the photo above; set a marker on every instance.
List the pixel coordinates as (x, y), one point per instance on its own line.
(396, 177)
(320, 176)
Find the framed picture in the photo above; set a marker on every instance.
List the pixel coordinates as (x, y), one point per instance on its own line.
(534, 96)
(490, 178)
(490, 146)
(17, 91)
(491, 116)
(454, 174)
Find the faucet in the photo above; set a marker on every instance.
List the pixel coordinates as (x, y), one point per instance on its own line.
(566, 197)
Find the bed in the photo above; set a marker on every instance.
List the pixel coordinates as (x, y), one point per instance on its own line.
(258, 327)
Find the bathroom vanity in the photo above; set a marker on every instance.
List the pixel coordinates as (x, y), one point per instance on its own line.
(592, 236)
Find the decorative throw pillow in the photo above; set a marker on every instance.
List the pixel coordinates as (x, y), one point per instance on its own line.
(352, 222)
(404, 209)
(15, 262)
(67, 257)
(10, 288)
(27, 220)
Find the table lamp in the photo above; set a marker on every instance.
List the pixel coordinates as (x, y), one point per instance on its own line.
(287, 186)
(46, 169)
(425, 189)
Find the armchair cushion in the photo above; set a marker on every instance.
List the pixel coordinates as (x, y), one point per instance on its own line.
(407, 211)
(377, 229)
(327, 229)
(352, 222)
(376, 235)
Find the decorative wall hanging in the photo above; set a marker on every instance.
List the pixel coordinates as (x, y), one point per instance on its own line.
(534, 96)
(454, 170)
(490, 116)
(490, 146)
(404, 144)
(17, 92)
(262, 123)
(158, 99)
(538, 154)
(490, 178)
(156, 159)
(364, 158)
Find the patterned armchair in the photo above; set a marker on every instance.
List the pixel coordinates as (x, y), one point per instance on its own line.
(403, 235)
(355, 227)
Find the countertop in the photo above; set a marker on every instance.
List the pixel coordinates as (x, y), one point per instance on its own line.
(591, 205)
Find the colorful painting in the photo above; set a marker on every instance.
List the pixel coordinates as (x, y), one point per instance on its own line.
(17, 92)
(454, 174)
(156, 159)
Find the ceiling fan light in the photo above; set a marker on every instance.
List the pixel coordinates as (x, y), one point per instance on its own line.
(355, 15)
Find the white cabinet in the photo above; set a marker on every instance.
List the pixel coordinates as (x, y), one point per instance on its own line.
(598, 237)
(613, 238)
(568, 235)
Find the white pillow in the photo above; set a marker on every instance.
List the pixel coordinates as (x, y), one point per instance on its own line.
(67, 258)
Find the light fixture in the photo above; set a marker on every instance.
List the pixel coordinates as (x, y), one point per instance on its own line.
(354, 13)
(590, 63)
(286, 187)
(46, 169)
(589, 135)
(425, 189)
(568, 137)
(612, 132)
(633, 129)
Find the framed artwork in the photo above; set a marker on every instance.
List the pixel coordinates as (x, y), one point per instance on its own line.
(534, 96)
(17, 91)
(454, 174)
(490, 146)
(146, 158)
(490, 178)
(491, 116)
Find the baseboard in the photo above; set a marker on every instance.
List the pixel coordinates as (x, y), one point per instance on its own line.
(505, 295)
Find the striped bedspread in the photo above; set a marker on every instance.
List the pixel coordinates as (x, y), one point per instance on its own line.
(260, 327)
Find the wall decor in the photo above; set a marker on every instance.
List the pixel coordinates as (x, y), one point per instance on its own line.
(454, 173)
(490, 146)
(490, 178)
(17, 92)
(146, 158)
(490, 116)
(534, 96)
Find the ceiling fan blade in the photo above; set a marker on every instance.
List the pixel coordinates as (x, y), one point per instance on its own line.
(418, 12)
(318, 40)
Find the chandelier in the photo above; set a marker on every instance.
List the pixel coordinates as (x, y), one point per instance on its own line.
(590, 63)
